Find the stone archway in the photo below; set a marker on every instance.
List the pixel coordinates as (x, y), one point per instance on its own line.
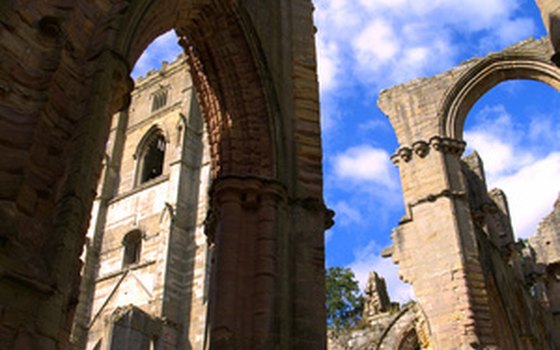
(483, 76)
(439, 242)
(66, 65)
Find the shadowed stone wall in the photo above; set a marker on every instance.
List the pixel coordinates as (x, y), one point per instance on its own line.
(64, 72)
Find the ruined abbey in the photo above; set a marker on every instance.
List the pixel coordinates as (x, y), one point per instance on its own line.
(185, 210)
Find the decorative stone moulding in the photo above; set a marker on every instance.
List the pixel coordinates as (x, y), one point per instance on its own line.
(448, 145)
(404, 153)
(422, 148)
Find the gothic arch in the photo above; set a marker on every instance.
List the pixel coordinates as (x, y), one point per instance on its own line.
(428, 116)
(237, 106)
(487, 73)
(66, 66)
(154, 145)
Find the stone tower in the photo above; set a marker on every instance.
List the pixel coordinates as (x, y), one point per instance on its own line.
(145, 277)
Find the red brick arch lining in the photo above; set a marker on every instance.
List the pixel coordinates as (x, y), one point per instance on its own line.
(225, 74)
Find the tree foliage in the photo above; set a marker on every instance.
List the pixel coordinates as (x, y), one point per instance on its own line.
(344, 300)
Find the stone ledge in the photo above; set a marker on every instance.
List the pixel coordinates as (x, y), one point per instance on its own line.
(158, 180)
(124, 270)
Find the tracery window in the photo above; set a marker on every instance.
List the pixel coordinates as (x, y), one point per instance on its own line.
(132, 243)
(151, 157)
(159, 99)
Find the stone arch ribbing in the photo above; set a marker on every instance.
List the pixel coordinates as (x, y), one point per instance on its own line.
(223, 63)
(483, 76)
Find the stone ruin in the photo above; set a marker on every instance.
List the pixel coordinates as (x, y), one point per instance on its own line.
(65, 70)
(455, 244)
(528, 271)
(376, 297)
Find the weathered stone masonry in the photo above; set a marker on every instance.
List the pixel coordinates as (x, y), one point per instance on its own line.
(168, 278)
(455, 234)
(64, 71)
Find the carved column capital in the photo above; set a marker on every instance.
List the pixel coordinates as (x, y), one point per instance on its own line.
(250, 192)
(448, 145)
(421, 148)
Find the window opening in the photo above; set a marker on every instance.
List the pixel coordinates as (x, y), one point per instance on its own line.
(132, 243)
(152, 159)
(159, 100)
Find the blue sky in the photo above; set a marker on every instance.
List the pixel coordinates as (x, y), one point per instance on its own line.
(367, 45)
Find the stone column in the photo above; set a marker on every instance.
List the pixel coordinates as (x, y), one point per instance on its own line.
(435, 245)
(110, 90)
(245, 270)
(267, 288)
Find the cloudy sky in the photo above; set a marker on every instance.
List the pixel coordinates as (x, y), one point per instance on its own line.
(368, 45)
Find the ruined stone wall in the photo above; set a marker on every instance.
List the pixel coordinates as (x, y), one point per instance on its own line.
(507, 278)
(455, 235)
(546, 246)
(170, 280)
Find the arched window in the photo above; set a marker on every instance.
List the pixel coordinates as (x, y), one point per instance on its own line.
(159, 99)
(151, 156)
(132, 244)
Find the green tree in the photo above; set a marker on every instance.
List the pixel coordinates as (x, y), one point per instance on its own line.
(344, 300)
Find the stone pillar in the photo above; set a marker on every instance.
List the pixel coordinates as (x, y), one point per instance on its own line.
(310, 218)
(268, 279)
(245, 270)
(110, 89)
(435, 245)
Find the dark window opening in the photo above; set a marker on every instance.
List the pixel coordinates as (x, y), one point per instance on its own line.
(159, 100)
(132, 243)
(152, 161)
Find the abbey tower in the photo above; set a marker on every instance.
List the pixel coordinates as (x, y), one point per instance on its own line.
(146, 272)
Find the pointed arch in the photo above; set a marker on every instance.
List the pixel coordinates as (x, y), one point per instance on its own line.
(150, 155)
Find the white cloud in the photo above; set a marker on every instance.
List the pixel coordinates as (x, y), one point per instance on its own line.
(328, 64)
(515, 30)
(376, 44)
(498, 155)
(375, 124)
(529, 179)
(368, 259)
(545, 132)
(365, 163)
(384, 42)
(497, 139)
(531, 192)
(346, 214)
